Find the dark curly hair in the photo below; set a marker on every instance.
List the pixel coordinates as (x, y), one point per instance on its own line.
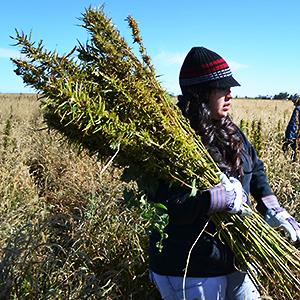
(220, 137)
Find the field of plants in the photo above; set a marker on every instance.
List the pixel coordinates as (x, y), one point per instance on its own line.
(65, 229)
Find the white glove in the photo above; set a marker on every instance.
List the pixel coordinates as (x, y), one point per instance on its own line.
(284, 220)
(229, 196)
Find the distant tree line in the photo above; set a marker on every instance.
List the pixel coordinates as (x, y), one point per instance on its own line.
(280, 96)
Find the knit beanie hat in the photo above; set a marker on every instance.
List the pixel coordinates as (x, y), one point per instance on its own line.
(202, 66)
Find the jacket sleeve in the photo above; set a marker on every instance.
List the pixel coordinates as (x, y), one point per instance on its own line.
(182, 208)
(291, 130)
(259, 183)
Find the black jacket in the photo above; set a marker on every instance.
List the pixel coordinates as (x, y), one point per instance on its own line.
(187, 217)
(292, 128)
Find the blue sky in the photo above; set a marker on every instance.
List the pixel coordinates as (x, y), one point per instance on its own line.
(260, 39)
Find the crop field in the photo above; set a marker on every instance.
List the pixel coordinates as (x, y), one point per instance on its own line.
(65, 229)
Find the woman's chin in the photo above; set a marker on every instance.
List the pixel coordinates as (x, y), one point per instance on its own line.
(222, 115)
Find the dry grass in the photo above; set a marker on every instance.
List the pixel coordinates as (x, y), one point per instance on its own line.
(270, 111)
(283, 175)
(65, 232)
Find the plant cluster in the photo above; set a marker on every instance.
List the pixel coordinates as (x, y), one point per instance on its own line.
(253, 131)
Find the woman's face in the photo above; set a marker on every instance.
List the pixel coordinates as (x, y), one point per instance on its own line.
(219, 103)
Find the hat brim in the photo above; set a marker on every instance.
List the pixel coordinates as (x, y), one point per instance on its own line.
(226, 82)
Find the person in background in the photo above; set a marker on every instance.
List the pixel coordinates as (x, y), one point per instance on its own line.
(206, 81)
(292, 132)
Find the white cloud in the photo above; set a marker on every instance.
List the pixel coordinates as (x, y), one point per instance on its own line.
(236, 66)
(168, 58)
(7, 53)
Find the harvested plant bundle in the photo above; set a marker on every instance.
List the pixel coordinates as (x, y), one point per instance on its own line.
(109, 101)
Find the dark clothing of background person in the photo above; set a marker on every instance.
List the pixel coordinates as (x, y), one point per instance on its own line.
(292, 133)
(293, 125)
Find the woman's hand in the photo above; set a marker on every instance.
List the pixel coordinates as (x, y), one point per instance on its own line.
(284, 220)
(229, 196)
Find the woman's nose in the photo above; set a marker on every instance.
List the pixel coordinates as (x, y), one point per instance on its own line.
(228, 95)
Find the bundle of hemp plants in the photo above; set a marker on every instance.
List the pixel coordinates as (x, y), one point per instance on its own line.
(104, 98)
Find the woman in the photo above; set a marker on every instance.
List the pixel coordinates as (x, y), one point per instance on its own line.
(206, 82)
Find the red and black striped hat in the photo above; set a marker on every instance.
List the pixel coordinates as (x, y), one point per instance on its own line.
(202, 65)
